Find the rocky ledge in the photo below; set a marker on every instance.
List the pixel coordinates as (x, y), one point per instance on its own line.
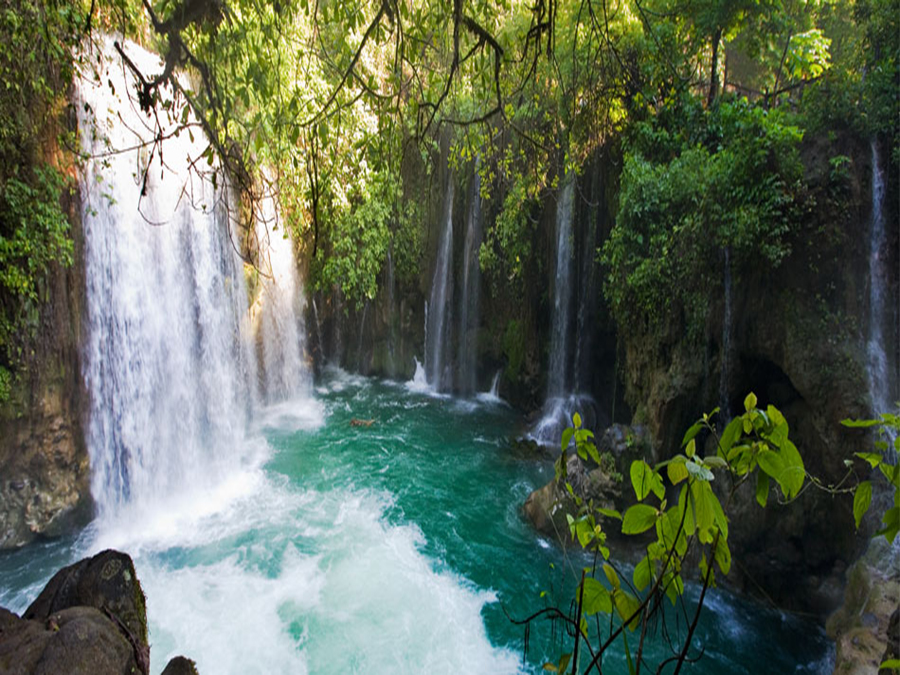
(91, 618)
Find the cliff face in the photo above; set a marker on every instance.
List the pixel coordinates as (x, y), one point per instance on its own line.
(44, 468)
(798, 340)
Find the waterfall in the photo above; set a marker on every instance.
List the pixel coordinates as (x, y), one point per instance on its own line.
(561, 403)
(725, 356)
(167, 361)
(558, 377)
(391, 312)
(438, 308)
(471, 287)
(279, 307)
(359, 338)
(588, 292)
(495, 385)
(879, 297)
(320, 360)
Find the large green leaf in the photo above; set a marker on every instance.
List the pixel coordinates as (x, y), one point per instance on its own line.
(639, 518)
(861, 501)
(645, 480)
(595, 598)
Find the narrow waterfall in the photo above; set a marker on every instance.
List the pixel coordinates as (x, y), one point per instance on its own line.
(320, 346)
(471, 287)
(559, 405)
(279, 308)
(588, 290)
(391, 313)
(167, 360)
(438, 310)
(558, 375)
(879, 297)
(359, 338)
(725, 355)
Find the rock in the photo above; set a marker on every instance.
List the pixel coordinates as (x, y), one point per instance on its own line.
(45, 486)
(892, 651)
(180, 665)
(44, 469)
(865, 628)
(78, 640)
(91, 617)
(547, 507)
(106, 582)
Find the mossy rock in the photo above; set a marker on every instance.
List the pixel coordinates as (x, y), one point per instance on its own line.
(107, 582)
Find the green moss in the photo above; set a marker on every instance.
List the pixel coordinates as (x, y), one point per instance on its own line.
(514, 349)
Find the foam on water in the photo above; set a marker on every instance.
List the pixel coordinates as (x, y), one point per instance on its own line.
(281, 580)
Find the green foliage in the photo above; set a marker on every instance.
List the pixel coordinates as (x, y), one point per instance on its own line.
(695, 182)
(36, 65)
(514, 349)
(887, 445)
(755, 444)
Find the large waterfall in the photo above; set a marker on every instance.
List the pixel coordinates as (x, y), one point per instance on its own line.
(169, 364)
(438, 311)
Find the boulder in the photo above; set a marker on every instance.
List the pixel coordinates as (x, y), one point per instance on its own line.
(106, 582)
(865, 628)
(77, 640)
(619, 445)
(180, 665)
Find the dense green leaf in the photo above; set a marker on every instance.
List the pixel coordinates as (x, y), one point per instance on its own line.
(639, 518)
(596, 598)
(862, 498)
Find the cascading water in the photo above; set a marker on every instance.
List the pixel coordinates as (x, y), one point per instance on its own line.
(359, 338)
(588, 291)
(278, 309)
(438, 310)
(558, 374)
(391, 313)
(167, 363)
(879, 299)
(559, 405)
(471, 287)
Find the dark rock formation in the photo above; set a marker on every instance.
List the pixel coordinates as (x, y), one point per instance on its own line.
(180, 665)
(44, 469)
(548, 506)
(797, 341)
(865, 627)
(90, 618)
(78, 640)
(107, 581)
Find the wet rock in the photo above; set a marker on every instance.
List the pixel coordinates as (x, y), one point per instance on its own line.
(866, 628)
(106, 582)
(546, 507)
(180, 665)
(78, 640)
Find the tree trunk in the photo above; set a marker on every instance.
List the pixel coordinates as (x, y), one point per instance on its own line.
(714, 70)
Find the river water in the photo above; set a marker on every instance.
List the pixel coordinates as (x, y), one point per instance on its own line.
(393, 548)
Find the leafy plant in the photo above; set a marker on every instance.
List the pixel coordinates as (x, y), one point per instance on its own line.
(677, 515)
